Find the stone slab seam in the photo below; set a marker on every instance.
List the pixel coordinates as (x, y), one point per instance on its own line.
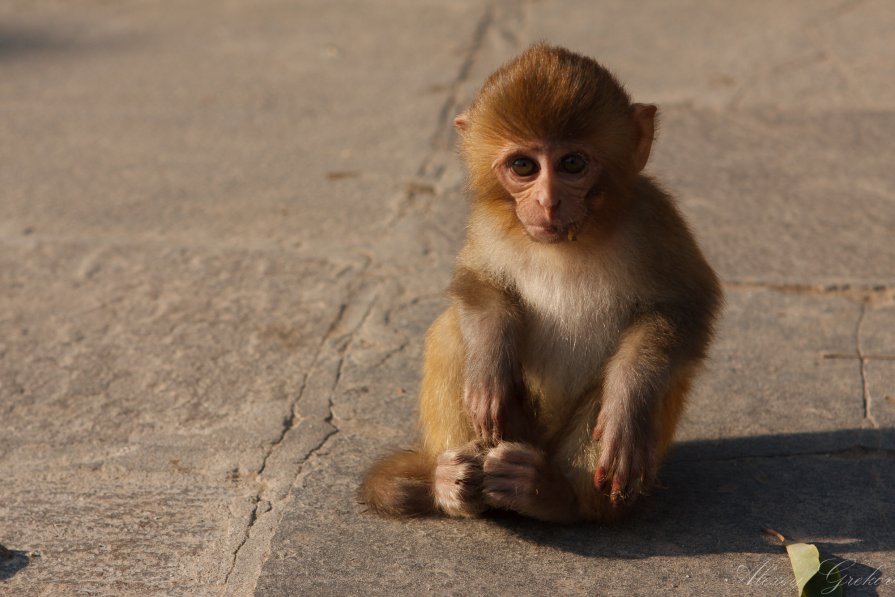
(868, 296)
(331, 350)
(442, 139)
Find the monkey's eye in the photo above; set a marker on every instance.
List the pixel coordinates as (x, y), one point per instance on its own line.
(524, 166)
(573, 163)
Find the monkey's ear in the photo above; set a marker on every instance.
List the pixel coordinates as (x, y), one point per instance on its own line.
(644, 116)
(461, 121)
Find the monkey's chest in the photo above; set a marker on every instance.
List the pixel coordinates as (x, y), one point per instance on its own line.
(568, 335)
(575, 305)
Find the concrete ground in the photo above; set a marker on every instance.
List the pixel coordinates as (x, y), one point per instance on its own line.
(225, 227)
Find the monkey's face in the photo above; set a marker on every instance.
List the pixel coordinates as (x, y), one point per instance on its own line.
(553, 185)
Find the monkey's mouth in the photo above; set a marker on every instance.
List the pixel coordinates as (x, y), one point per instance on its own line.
(551, 233)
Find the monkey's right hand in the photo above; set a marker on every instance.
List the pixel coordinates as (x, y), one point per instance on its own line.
(486, 405)
(496, 412)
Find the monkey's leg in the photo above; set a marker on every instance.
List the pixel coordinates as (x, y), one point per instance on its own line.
(519, 477)
(444, 473)
(444, 423)
(447, 433)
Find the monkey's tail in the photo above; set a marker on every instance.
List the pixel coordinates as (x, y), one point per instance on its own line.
(400, 484)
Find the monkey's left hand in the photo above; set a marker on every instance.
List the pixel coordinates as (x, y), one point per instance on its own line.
(628, 456)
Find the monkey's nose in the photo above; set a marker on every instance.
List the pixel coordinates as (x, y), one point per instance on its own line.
(550, 206)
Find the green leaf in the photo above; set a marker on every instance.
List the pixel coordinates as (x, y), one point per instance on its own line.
(805, 561)
(813, 577)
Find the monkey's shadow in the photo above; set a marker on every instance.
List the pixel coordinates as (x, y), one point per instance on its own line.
(11, 561)
(715, 497)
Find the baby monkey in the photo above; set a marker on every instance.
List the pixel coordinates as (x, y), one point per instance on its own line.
(581, 308)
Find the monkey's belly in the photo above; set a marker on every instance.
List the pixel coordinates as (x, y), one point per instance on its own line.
(560, 371)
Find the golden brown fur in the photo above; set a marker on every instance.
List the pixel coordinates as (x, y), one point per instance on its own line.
(553, 383)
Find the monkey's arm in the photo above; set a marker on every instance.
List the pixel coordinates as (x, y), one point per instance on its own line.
(493, 393)
(652, 352)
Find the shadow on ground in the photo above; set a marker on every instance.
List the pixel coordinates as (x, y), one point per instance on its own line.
(833, 489)
(20, 41)
(702, 528)
(715, 496)
(11, 561)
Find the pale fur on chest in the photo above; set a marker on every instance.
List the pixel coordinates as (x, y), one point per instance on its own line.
(575, 307)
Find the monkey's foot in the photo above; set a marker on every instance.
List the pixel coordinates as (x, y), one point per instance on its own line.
(458, 481)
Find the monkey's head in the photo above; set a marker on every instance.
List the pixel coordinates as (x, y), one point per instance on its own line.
(553, 139)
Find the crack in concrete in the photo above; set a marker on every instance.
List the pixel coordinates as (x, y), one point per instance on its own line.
(428, 172)
(863, 358)
(400, 348)
(864, 293)
(253, 516)
(341, 346)
(289, 422)
(346, 346)
(865, 387)
(442, 137)
(868, 357)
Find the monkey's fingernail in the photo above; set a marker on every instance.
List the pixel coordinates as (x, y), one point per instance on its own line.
(619, 493)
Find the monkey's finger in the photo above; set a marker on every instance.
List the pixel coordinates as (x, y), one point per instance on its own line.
(496, 431)
(603, 476)
(496, 421)
(598, 432)
(477, 449)
(619, 494)
(471, 405)
(487, 431)
(608, 462)
(484, 425)
(621, 478)
(519, 454)
(603, 479)
(479, 430)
